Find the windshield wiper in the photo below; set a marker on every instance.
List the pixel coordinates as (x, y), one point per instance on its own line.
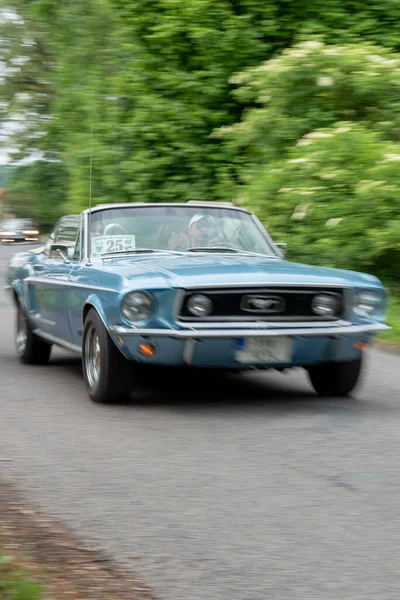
(139, 251)
(211, 249)
(227, 249)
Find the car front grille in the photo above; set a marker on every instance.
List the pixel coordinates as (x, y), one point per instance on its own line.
(266, 304)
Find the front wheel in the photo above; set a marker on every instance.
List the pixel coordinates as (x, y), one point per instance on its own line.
(31, 349)
(335, 379)
(107, 373)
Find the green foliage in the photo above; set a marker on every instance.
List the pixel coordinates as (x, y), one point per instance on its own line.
(25, 86)
(39, 191)
(4, 176)
(152, 79)
(15, 584)
(393, 336)
(317, 155)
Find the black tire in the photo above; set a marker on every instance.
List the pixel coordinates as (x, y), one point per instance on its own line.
(108, 374)
(335, 379)
(31, 349)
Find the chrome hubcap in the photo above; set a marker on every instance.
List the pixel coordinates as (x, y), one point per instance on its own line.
(22, 332)
(92, 357)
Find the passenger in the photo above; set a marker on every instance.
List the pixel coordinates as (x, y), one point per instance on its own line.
(172, 238)
(204, 231)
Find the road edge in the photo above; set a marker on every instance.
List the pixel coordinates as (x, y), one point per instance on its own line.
(55, 555)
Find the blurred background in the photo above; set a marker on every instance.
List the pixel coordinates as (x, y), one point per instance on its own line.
(291, 109)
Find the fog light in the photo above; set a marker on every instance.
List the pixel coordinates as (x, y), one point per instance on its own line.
(147, 349)
(199, 305)
(324, 305)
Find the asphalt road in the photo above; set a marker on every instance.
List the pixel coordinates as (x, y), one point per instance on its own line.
(254, 490)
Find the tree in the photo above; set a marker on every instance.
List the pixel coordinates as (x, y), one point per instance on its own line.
(152, 78)
(4, 176)
(38, 190)
(317, 155)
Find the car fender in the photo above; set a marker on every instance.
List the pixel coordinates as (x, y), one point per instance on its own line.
(19, 293)
(93, 301)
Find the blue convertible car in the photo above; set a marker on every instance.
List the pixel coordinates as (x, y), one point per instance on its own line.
(196, 284)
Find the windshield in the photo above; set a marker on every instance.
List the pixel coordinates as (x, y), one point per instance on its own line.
(175, 228)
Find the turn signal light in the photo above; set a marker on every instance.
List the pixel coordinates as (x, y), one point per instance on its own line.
(147, 349)
(361, 345)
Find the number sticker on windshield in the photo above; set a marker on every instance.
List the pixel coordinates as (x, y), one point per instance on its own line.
(107, 244)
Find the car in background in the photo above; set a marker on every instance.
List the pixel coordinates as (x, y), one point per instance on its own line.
(19, 230)
(191, 285)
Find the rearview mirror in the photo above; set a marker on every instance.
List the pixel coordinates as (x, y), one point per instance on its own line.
(282, 247)
(60, 250)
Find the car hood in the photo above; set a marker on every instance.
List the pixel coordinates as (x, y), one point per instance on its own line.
(204, 270)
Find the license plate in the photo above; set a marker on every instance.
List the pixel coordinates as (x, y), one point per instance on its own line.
(271, 350)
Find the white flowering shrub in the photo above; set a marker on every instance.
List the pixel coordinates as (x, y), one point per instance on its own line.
(318, 153)
(335, 200)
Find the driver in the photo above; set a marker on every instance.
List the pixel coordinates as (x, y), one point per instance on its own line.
(172, 238)
(114, 229)
(203, 231)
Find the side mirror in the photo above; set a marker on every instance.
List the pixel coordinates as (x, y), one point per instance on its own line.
(61, 250)
(282, 247)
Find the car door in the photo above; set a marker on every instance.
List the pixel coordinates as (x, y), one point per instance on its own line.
(77, 293)
(50, 280)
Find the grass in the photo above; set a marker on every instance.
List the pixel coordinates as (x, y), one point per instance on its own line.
(393, 319)
(15, 584)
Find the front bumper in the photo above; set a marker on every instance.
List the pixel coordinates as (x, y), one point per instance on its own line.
(217, 346)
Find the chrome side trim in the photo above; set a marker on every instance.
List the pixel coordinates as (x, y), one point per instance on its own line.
(43, 320)
(55, 340)
(266, 332)
(66, 282)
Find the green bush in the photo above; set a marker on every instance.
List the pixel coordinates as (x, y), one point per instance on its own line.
(15, 584)
(318, 154)
(152, 78)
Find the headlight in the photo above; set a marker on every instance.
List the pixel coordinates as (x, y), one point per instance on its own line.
(33, 232)
(137, 306)
(324, 305)
(366, 302)
(199, 305)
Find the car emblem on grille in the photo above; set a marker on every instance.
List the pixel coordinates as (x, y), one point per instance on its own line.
(258, 303)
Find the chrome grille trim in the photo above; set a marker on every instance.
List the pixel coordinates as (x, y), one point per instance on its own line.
(263, 290)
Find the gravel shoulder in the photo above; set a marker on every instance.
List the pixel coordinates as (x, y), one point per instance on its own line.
(57, 559)
(389, 348)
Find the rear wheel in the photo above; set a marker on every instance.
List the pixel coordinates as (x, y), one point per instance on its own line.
(108, 374)
(31, 349)
(335, 379)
